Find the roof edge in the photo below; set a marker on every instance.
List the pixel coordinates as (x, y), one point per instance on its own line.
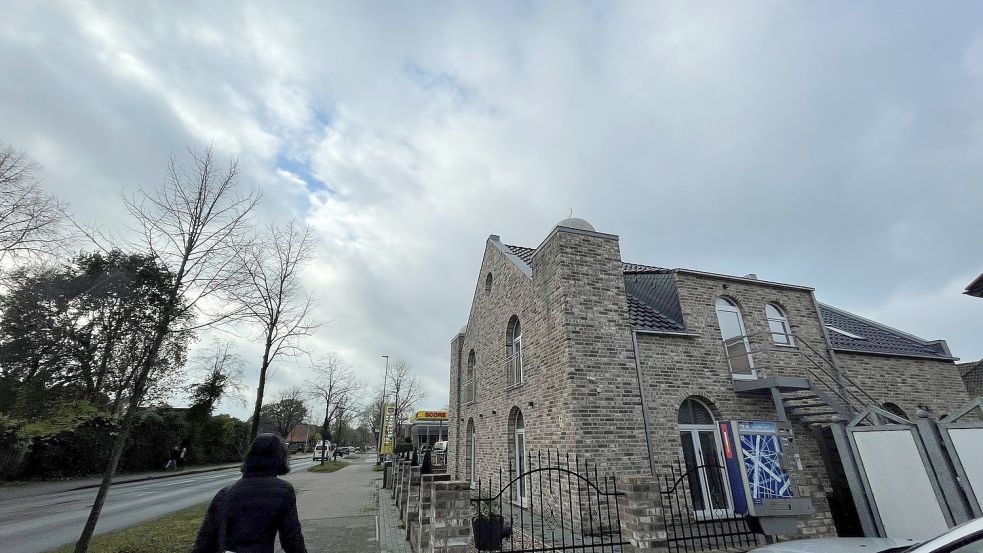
(888, 354)
(516, 260)
(743, 279)
(557, 229)
(682, 334)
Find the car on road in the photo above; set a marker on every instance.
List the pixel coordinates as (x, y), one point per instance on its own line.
(965, 538)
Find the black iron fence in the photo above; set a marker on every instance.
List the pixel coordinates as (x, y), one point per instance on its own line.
(547, 502)
(698, 510)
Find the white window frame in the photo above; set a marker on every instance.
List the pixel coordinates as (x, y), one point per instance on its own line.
(781, 319)
(519, 444)
(692, 432)
(732, 307)
(845, 333)
(471, 444)
(515, 372)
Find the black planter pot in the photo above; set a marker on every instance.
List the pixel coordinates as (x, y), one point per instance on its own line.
(489, 531)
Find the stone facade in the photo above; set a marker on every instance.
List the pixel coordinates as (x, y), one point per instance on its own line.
(585, 381)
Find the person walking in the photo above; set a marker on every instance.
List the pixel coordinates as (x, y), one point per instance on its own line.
(181, 457)
(172, 462)
(246, 516)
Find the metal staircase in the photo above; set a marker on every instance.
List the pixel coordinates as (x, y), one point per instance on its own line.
(813, 399)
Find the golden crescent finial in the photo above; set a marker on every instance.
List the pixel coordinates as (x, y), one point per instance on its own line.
(570, 214)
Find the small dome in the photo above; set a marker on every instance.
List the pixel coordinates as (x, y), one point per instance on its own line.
(575, 222)
(464, 329)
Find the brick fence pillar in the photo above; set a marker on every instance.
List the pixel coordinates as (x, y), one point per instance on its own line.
(412, 502)
(450, 517)
(387, 474)
(404, 490)
(420, 531)
(398, 482)
(640, 510)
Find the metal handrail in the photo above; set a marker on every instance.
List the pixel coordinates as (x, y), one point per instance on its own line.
(768, 347)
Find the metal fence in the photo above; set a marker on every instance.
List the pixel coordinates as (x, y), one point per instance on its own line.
(557, 503)
(698, 511)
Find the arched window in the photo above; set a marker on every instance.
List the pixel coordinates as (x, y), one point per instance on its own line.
(736, 345)
(781, 332)
(517, 437)
(469, 379)
(513, 352)
(469, 453)
(488, 283)
(894, 409)
(702, 453)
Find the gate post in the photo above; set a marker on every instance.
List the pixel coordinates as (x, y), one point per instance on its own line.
(928, 431)
(640, 514)
(450, 517)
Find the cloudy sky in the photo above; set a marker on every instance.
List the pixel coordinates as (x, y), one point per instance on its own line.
(837, 145)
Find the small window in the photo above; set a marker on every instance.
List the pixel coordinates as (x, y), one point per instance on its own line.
(470, 453)
(781, 332)
(845, 333)
(488, 283)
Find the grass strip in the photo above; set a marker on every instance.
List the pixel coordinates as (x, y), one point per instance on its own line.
(173, 533)
(328, 466)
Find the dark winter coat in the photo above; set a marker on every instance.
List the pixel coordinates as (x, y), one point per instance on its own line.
(252, 511)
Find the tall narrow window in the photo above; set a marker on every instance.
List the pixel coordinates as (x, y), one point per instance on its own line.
(513, 352)
(488, 283)
(517, 428)
(736, 346)
(469, 453)
(708, 484)
(469, 379)
(781, 332)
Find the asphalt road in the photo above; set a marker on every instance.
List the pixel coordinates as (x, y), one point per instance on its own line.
(43, 522)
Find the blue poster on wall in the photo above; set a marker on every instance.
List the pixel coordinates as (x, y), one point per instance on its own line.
(762, 454)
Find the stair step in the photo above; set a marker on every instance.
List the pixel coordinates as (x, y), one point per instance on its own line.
(805, 402)
(803, 412)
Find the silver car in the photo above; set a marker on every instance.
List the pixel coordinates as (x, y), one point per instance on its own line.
(965, 538)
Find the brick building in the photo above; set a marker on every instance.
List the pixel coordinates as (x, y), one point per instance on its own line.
(568, 347)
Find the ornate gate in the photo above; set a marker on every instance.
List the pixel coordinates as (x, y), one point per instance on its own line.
(556, 504)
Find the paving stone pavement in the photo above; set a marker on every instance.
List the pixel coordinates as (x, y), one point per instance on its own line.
(391, 536)
(338, 510)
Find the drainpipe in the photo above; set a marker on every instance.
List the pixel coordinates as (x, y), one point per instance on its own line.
(641, 395)
(832, 357)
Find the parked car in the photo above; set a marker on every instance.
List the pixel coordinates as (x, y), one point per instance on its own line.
(440, 446)
(321, 451)
(965, 538)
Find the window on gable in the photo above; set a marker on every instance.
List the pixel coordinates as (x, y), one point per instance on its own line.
(488, 283)
(845, 333)
(781, 332)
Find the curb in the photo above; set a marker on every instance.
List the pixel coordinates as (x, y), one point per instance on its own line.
(155, 477)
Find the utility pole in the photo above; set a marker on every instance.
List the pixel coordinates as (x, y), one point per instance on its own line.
(382, 408)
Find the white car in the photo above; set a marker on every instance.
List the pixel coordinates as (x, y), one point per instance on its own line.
(965, 538)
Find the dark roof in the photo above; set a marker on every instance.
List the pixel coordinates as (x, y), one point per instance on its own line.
(653, 305)
(877, 338)
(975, 288)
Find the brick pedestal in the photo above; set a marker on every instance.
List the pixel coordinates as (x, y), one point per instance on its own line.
(640, 511)
(411, 506)
(420, 530)
(450, 515)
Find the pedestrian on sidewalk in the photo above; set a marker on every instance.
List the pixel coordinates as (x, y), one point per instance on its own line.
(181, 457)
(248, 514)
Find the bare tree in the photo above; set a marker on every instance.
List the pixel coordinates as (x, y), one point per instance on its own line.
(273, 297)
(31, 220)
(287, 411)
(193, 224)
(407, 389)
(334, 384)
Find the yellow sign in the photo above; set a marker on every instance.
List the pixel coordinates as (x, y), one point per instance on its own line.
(388, 429)
(429, 416)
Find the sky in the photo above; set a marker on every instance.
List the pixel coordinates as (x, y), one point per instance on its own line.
(837, 145)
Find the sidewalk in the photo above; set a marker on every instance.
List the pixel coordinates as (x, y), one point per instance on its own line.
(338, 509)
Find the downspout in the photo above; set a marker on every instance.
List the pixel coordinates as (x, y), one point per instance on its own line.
(641, 395)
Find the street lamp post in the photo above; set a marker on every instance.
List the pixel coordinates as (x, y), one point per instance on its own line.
(382, 408)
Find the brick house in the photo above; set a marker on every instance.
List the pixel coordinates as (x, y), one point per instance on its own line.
(568, 347)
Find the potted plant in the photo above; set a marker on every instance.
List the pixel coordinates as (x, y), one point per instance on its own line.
(488, 526)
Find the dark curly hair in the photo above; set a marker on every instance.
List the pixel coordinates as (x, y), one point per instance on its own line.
(267, 456)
